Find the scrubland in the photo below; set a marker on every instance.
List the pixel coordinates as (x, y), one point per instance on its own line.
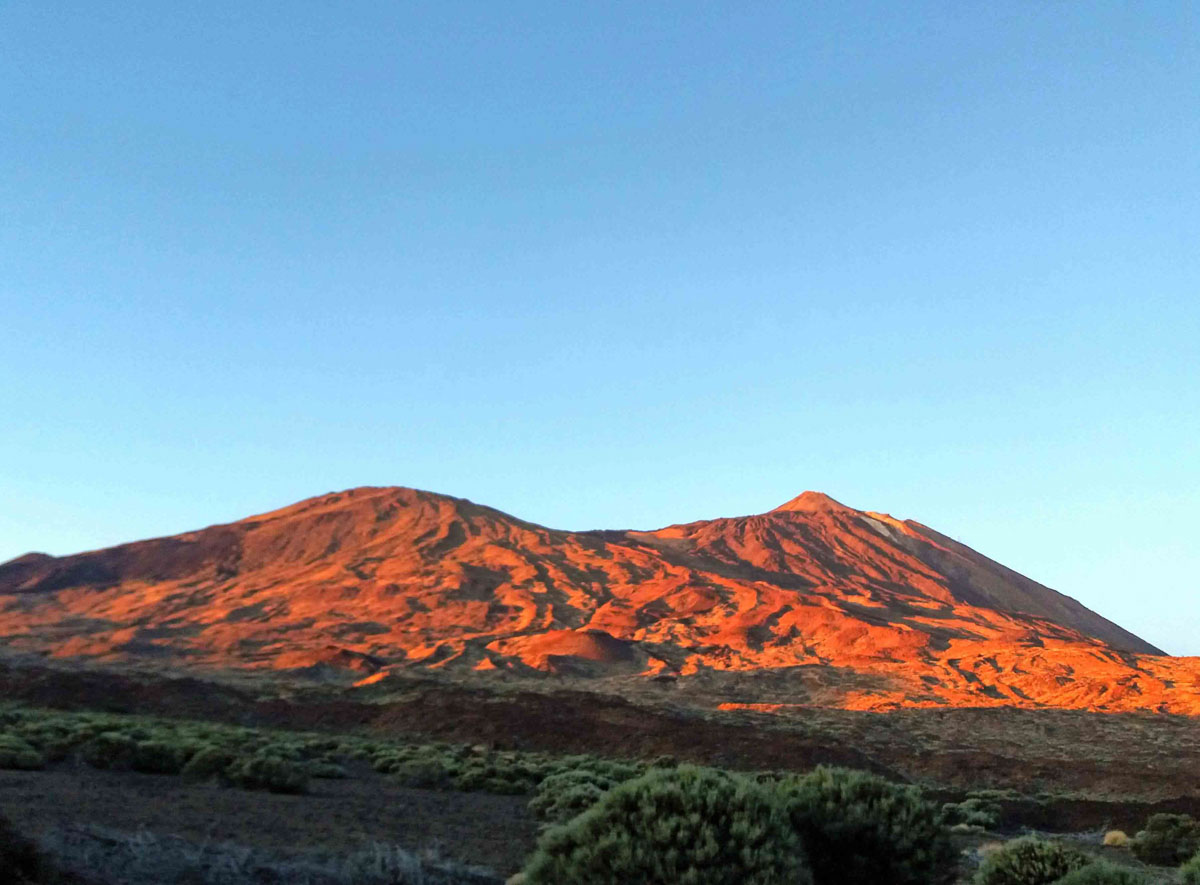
(121, 799)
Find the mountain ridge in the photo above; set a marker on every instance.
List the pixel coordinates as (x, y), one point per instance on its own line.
(382, 579)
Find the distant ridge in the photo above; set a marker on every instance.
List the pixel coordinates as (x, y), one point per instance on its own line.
(813, 602)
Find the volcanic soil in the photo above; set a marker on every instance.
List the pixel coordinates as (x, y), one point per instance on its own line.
(376, 583)
(482, 829)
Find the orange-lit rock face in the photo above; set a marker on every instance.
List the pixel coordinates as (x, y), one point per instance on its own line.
(377, 579)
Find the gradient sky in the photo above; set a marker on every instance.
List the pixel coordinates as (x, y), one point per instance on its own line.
(612, 265)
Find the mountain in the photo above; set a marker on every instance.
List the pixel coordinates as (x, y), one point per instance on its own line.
(811, 603)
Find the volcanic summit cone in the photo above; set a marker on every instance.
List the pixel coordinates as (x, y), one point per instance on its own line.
(374, 580)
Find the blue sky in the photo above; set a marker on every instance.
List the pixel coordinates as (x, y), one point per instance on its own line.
(613, 265)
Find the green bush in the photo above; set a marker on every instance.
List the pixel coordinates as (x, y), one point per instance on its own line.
(16, 753)
(567, 794)
(502, 785)
(1168, 840)
(421, 773)
(326, 769)
(322, 744)
(671, 826)
(973, 812)
(1103, 873)
(52, 739)
(1189, 873)
(266, 772)
(161, 757)
(494, 775)
(860, 828)
(56, 748)
(473, 775)
(600, 768)
(207, 762)
(110, 749)
(282, 749)
(1030, 861)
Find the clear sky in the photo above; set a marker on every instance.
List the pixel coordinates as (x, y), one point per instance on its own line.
(612, 265)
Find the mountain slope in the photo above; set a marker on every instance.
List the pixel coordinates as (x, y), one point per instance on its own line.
(877, 612)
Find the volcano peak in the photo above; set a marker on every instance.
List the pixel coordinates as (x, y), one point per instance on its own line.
(810, 502)
(402, 579)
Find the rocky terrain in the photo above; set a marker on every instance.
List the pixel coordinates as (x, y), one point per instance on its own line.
(811, 604)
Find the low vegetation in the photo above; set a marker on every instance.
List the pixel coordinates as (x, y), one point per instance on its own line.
(109, 749)
(1189, 873)
(279, 761)
(266, 771)
(974, 813)
(686, 825)
(207, 763)
(603, 820)
(568, 794)
(1116, 839)
(19, 754)
(1104, 873)
(1030, 861)
(860, 828)
(1167, 840)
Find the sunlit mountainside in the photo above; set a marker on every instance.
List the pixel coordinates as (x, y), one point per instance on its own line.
(880, 612)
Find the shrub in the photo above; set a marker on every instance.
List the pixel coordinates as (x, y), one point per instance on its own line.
(616, 771)
(996, 795)
(686, 825)
(207, 762)
(1103, 873)
(16, 753)
(52, 739)
(326, 769)
(110, 749)
(1168, 840)
(973, 812)
(281, 749)
(421, 773)
(1116, 839)
(613, 771)
(266, 772)
(56, 748)
(474, 775)
(860, 828)
(389, 761)
(363, 752)
(562, 796)
(1030, 861)
(323, 744)
(161, 757)
(1189, 873)
(494, 775)
(504, 786)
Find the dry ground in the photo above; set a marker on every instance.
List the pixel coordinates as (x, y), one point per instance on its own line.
(478, 828)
